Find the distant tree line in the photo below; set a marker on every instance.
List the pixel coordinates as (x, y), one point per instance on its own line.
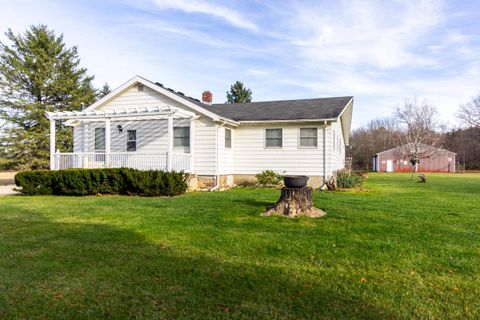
(415, 124)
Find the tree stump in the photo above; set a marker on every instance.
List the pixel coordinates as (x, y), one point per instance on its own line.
(295, 202)
(422, 178)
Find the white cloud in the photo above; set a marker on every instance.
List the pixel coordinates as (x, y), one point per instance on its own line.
(365, 32)
(231, 16)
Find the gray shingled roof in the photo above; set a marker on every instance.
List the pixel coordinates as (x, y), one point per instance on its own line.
(303, 109)
(308, 109)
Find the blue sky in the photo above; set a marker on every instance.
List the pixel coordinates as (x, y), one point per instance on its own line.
(381, 52)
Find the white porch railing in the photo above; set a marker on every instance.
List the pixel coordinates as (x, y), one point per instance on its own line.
(141, 161)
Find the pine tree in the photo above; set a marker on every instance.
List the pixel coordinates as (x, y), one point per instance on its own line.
(38, 73)
(103, 91)
(239, 93)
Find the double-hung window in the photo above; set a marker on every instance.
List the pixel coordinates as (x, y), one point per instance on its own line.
(181, 137)
(308, 137)
(131, 140)
(99, 140)
(228, 138)
(273, 138)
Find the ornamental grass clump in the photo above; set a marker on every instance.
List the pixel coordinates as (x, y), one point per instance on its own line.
(348, 179)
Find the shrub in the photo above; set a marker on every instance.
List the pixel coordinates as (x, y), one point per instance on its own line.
(268, 178)
(7, 164)
(348, 179)
(81, 182)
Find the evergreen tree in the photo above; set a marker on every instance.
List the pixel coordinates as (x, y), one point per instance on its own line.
(239, 93)
(103, 91)
(38, 73)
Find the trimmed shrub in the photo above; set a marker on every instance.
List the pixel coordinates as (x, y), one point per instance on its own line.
(81, 182)
(348, 179)
(268, 178)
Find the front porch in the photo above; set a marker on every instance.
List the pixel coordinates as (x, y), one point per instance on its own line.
(151, 146)
(141, 161)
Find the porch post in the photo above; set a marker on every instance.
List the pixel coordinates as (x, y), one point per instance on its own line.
(192, 144)
(170, 143)
(107, 142)
(52, 144)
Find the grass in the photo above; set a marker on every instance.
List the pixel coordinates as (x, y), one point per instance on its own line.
(400, 250)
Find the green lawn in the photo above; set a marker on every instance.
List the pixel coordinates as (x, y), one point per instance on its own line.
(400, 250)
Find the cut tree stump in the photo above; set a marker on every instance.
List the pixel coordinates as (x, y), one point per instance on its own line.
(422, 178)
(295, 202)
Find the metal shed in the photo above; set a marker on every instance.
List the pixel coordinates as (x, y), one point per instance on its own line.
(392, 161)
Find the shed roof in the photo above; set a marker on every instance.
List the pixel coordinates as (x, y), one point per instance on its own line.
(392, 149)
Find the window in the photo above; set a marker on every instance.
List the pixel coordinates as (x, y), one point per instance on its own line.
(334, 147)
(181, 136)
(273, 138)
(131, 140)
(99, 139)
(228, 138)
(308, 137)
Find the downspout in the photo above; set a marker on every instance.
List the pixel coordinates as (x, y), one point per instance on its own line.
(217, 148)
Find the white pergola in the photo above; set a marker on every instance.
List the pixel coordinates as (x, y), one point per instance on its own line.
(138, 113)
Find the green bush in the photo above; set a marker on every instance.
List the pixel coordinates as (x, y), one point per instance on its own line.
(81, 182)
(348, 179)
(7, 164)
(268, 178)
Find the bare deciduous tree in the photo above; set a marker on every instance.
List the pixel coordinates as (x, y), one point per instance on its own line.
(421, 134)
(470, 112)
(378, 135)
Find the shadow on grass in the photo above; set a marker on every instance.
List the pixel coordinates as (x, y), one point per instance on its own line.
(59, 270)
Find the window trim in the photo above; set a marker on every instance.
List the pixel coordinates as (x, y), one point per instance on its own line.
(299, 145)
(189, 137)
(265, 138)
(95, 140)
(129, 140)
(225, 139)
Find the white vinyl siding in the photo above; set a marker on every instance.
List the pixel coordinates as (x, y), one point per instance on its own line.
(225, 154)
(337, 156)
(251, 156)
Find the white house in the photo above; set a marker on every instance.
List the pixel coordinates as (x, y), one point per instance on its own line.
(145, 125)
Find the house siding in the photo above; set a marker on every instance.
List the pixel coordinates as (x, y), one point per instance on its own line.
(251, 156)
(205, 146)
(226, 160)
(337, 147)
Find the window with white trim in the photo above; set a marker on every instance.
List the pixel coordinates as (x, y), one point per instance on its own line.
(99, 139)
(181, 137)
(273, 138)
(131, 140)
(308, 137)
(228, 138)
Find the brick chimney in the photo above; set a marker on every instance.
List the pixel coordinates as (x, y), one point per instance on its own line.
(207, 97)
